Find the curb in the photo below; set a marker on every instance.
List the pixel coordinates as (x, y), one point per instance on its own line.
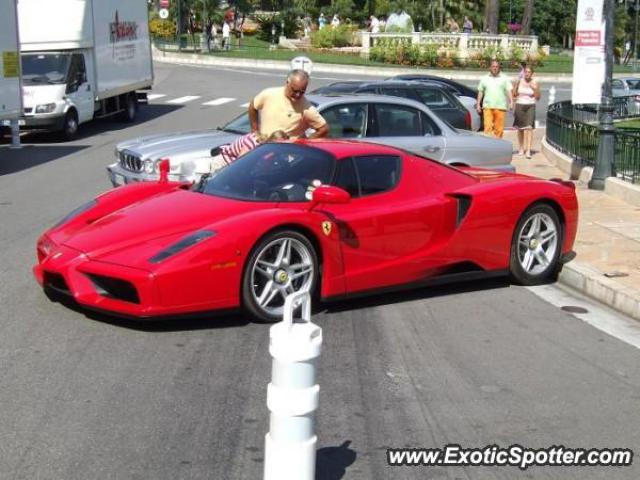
(197, 59)
(582, 277)
(592, 283)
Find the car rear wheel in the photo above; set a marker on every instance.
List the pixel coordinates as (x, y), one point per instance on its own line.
(282, 263)
(130, 108)
(536, 246)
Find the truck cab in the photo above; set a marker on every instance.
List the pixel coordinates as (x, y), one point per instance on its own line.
(58, 93)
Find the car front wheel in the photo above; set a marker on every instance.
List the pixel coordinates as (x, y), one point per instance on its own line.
(536, 246)
(282, 263)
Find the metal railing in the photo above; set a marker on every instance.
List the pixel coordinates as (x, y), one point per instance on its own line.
(573, 129)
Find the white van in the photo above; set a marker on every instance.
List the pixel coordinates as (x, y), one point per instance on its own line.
(82, 59)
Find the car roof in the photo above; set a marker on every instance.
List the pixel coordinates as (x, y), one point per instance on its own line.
(328, 99)
(386, 83)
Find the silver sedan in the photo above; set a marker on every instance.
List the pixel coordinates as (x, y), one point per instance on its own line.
(400, 122)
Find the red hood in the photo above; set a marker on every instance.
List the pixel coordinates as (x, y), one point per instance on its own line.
(165, 215)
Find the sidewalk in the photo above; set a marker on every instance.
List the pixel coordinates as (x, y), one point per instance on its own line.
(607, 265)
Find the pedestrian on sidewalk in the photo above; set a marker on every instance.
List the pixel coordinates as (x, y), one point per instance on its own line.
(495, 97)
(226, 35)
(467, 25)
(526, 92)
(286, 108)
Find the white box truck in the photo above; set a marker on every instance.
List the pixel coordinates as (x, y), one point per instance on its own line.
(10, 96)
(83, 59)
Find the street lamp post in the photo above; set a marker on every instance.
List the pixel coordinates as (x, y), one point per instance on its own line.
(606, 146)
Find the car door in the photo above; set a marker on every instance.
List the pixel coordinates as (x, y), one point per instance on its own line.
(405, 127)
(388, 227)
(79, 88)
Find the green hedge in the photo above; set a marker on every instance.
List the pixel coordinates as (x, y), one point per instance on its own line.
(400, 51)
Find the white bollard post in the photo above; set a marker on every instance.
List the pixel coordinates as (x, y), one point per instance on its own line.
(292, 395)
(15, 135)
(552, 94)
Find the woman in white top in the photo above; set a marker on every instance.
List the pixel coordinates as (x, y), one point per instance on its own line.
(526, 92)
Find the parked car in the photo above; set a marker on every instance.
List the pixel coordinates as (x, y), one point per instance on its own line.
(367, 216)
(628, 87)
(444, 104)
(468, 96)
(389, 120)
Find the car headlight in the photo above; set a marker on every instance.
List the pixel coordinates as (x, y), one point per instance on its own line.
(45, 245)
(77, 211)
(45, 108)
(181, 245)
(149, 166)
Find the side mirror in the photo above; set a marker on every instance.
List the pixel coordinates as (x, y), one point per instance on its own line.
(329, 194)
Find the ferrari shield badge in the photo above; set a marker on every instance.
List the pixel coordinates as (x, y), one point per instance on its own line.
(326, 228)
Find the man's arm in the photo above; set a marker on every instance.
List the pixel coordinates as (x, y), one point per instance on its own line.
(253, 118)
(321, 132)
(480, 97)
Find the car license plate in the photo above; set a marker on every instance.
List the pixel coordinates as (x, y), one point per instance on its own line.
(7, 123)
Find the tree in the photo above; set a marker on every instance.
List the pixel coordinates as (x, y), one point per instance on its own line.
(492, 15)
(527, 17)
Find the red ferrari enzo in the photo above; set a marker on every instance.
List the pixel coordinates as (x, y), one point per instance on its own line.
(334, 217)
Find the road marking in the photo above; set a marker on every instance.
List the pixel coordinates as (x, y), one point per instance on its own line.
(188, 98)
(244, 105)
(155, 96)
(599, 316)
(219, 101)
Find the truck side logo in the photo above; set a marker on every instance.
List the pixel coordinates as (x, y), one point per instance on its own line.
(122, 31)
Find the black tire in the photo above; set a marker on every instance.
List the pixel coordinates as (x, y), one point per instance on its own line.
(535, 252)
(70, 125)
(130, 111)
(303, 254)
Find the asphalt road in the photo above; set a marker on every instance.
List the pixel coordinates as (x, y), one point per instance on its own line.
(88, 397)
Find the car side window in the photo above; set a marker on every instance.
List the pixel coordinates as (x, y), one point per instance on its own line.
(377, 173)
(346, 177)
(77, 72)
(435, 99)
(367, 90)
(429, 127)
(397, 121)
(347, 120)
(397, 92)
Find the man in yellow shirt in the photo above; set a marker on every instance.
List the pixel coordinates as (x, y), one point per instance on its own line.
(287, 109)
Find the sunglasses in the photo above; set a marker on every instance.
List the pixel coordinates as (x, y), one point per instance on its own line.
(299, 92)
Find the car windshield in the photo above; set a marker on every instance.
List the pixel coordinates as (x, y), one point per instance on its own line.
(239, 125)
(42, 68)
(273, 172)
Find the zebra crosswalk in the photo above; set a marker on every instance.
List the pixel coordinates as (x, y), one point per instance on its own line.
(207, 102)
